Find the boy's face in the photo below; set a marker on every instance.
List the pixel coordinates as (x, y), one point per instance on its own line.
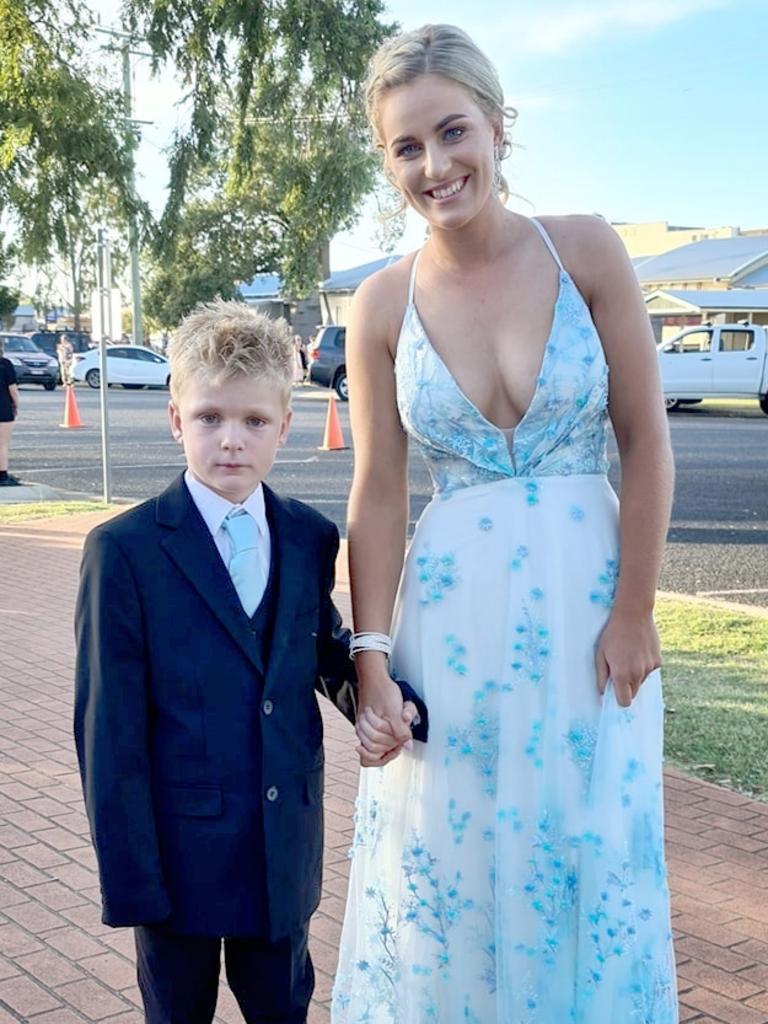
(230, 432)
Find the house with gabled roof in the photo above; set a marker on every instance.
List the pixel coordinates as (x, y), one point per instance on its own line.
(720, 280)
(712, 263)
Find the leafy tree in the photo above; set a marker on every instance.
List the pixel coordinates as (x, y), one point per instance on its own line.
(219, 242)
(62, 132)
(9, 297)
(291, 123)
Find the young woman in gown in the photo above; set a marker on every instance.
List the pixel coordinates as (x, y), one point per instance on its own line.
(511, 870)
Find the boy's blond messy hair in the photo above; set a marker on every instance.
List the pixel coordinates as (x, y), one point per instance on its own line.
(221, 340)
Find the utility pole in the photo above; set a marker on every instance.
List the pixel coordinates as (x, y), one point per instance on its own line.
(133, 235)
(104, 285)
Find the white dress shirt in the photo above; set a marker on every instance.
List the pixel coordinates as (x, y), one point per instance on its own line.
(214, 509)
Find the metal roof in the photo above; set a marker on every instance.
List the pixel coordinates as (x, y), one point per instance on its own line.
(706, 259)
(263, 286)
(757, 279)
(348, 280)
(710, 299)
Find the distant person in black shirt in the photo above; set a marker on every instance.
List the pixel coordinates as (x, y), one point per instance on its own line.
(9, 407)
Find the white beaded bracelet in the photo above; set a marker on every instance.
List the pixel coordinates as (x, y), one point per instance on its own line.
(370, 642)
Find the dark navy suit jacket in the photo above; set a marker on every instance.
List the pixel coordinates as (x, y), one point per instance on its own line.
(202, 767)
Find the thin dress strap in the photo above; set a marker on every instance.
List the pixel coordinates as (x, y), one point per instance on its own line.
(412, 281)
(548, 242)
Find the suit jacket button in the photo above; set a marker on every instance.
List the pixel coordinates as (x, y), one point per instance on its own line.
(267, 707)
(272, 794)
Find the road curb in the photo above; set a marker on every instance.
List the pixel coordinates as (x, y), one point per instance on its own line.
(712, 602)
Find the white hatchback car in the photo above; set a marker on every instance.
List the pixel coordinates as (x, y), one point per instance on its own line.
(129, 365)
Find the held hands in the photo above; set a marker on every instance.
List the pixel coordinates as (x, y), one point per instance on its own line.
(627, 652)
(383, 722)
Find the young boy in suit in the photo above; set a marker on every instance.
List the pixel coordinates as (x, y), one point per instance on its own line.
(204, 626)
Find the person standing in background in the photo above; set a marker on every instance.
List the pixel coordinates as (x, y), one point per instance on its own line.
(64, 353)
(9, 410)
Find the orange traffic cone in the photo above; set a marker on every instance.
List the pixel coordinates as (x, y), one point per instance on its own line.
(333, 440)
(71, 415)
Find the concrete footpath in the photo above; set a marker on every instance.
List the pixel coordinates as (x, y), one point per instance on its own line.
(60, 965)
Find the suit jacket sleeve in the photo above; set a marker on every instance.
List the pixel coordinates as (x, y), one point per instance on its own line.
(111, 734)
(337, 678)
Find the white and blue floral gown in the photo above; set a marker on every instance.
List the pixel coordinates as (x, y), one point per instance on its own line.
(511, 871)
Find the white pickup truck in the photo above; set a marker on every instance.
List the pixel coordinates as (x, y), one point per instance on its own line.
(715, 361)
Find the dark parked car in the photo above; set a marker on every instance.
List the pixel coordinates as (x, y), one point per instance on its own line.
(327, 360)
(48, 340)
(32, 365)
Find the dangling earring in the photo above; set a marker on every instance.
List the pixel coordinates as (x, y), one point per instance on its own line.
(498, 180)
(392, 216)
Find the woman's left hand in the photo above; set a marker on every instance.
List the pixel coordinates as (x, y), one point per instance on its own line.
(627, 652)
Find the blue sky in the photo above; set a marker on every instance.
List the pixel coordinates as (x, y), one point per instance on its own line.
(634, 109)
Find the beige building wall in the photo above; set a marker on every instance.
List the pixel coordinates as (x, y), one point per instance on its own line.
(654, 238)
(336, 307)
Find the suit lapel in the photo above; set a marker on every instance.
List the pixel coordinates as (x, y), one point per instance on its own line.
(291, 579)
(191, 547)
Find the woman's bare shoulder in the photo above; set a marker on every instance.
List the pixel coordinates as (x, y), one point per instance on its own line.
(576, 233)
(588, 248)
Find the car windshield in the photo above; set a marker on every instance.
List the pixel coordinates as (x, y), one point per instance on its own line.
(20, 345)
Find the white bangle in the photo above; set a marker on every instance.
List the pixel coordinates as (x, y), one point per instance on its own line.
(370, 642)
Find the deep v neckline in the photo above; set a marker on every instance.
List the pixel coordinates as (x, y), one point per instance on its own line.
(541, 374)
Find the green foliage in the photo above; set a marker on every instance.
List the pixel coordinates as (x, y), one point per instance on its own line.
(9, 300)
(61, 128)
(275, 91)
(219, 242)
(9, 297)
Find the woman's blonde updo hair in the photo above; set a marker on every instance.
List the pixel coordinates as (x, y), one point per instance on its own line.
(439, 50)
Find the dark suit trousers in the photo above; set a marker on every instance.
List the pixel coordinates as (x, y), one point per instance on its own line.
(179, 976)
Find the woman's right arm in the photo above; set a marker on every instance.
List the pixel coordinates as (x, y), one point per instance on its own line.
(13, 391)
(378, 505)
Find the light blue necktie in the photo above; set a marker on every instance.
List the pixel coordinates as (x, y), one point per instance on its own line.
(244, 563)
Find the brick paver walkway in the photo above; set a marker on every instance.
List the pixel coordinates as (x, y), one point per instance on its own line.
(60, 965)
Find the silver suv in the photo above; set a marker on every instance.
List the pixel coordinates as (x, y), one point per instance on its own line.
(327, 360)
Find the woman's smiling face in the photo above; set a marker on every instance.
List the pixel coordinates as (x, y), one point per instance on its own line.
(439, 149)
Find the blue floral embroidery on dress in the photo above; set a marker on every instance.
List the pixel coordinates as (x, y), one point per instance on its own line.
(582, 740)
(532, 647)
(552, 886)
(576, 513)
(485, 524)
(438, 574)
(456, 650)
(520, 555)
(604, 594)
(478, 743)
(612, 922)
(458, 822)
(534, 743)
(381, 970)
(433, 904)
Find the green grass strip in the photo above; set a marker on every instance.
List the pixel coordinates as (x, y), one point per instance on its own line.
(24, 511)
(716, 693)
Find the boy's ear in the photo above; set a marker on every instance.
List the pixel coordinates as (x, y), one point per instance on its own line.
(175, 420)
(285, 428)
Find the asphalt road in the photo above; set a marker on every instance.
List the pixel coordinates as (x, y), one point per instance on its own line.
(718, 543)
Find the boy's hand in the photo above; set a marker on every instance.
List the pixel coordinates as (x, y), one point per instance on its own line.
(383, 724)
